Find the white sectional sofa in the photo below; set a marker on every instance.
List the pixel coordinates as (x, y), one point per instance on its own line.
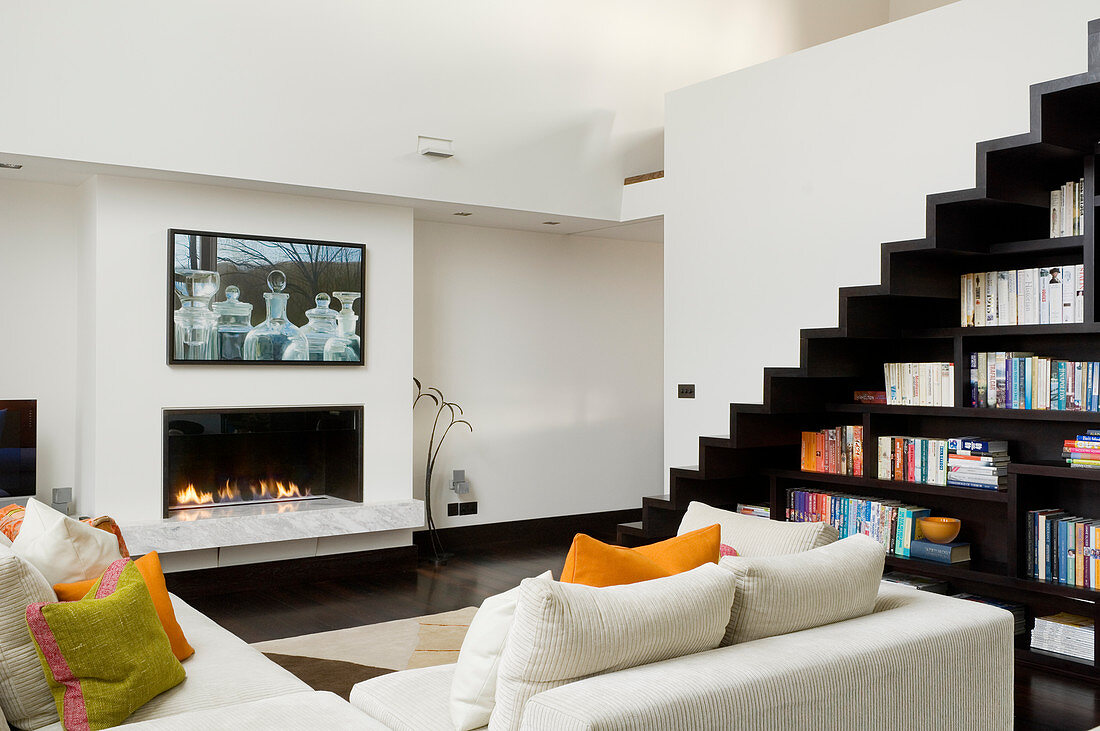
(916, 660)
(917, 656)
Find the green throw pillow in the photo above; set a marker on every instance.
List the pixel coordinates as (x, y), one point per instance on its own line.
(106, 655)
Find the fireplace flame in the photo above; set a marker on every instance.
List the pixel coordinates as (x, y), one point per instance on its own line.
(264, 489)
(191, 496)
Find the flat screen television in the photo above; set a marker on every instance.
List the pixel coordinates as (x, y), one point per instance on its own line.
(18, 438)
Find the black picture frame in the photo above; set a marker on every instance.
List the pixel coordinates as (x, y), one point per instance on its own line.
(210, 259)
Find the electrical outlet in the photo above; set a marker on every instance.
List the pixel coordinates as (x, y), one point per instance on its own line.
(469, 508)
(453, 508)
(685, 390)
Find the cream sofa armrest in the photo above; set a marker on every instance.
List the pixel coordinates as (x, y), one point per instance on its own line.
(921, 656)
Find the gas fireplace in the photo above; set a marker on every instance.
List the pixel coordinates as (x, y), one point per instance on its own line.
(217, 458)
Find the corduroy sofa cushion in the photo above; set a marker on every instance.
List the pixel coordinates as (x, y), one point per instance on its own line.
(781, 594)
(753, 536)
(564, 632)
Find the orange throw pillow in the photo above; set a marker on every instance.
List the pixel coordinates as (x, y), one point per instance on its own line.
(596, 563)
(149, 568)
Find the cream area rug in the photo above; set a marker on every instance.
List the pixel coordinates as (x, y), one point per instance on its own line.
(337, 660)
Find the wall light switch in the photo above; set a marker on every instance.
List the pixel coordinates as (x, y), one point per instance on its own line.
(685, 390)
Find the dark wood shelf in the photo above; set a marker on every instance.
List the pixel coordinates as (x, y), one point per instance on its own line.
(909, 488)
(989, 331)
(1061, 663)
(1032, 246)
(967, 412)
(974, 570)
(1061, 471)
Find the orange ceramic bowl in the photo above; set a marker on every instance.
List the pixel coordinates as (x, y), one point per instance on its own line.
(940, 530)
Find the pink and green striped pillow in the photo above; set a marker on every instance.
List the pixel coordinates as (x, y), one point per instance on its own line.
(106, 655)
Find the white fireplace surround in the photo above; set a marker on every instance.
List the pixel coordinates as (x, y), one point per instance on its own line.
(242, 525)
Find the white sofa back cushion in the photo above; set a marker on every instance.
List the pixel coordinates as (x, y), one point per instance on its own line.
(781, 594)
(63, 549)
(473, 691)
(753, 536)
(24, 694)
(565, 632)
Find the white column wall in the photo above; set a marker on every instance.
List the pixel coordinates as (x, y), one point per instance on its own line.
(552, 346)
(38, 299)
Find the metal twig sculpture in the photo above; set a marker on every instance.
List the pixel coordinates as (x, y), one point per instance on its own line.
(454, 411)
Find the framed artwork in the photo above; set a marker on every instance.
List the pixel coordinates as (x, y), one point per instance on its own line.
(264, 300)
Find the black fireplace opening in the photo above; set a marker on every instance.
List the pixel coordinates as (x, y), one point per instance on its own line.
(215, 458)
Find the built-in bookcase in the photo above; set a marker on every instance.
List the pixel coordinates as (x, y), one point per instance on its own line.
(1001, 224)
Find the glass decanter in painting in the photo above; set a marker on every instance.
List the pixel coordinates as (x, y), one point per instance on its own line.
(320, 328)
(275, 336)
(234, 324)
(346, 345)
(194, 322)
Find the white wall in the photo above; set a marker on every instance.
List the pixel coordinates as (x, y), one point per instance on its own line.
(132, 383)
(550, 103)
(824, 154)
(38, 296)
(552, 345)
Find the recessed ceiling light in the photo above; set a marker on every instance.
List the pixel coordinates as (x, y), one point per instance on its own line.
(10, 165)
(550, 223)
(462, 213)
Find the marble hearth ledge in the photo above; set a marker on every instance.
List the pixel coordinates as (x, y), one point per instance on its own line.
(239, 527)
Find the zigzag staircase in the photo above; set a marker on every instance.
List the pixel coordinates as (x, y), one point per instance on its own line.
(1001, 223)
(1004, 218)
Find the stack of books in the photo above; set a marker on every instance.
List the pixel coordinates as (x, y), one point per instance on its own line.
(1039, 296)
(1067, 206)
(1065, 634)
(977, 462)
(955, 552)
(1013, 380)
(758, 511)
(889, 522)
(920, 384)
(1084, 450)
(837, 451)
(1019, 613)
(913, 459)
(1063, 548)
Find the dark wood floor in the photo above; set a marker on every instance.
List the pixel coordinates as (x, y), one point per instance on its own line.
(1043, 701)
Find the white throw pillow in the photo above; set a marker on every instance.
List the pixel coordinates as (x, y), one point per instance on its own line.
(24, 694)
(564, 632)
(753, 536)
(781, 594)
(474, 688)
(63, 549)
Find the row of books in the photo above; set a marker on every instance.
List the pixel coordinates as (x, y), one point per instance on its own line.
(1063, 548)
(1067, 210)
(1083, 450)
(920, 384)
(1039, 296)
(837, 451)
(757, 511)
(957, 461)
(1014, 380)
(893, 524)
(1065, 634)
